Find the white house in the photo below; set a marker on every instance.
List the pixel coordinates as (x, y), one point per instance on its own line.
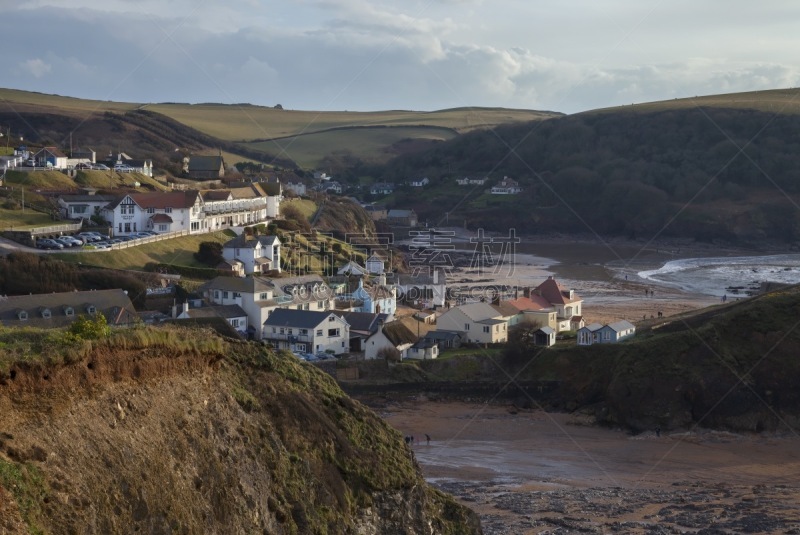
(479, 322)
(420, 182)
(51, 157)
(233, 314)
(393, 334)
(298, 188)
(375, 264)
(161, 212)
(307, 331)
(84, 205)
(377, 298)
(258, 254)
(507, 186)
(470, 181)
(616, 332)
(381, 188)
(423, 349)
(352, 268)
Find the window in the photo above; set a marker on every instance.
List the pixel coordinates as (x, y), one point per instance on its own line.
(168, 210)
(91, 309)
(319, 332)
(236, 294)
(331, 318)
(69, 312)
(333, 332)
(305, 306)
(486, 329)
(225, 294)
(162, 228)
(303, 331)
(299, 307)
(216, 294)
(46, 313)
(466, 326)
(320, 304)
(151, 210)
(274, 330)
(22, 315)
(263, 296)
(281, 330)
(289, 331)
(235, 322)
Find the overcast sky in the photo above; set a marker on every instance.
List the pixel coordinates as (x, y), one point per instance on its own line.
(567, 55)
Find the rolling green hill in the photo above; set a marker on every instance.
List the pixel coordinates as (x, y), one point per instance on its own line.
(243, 132)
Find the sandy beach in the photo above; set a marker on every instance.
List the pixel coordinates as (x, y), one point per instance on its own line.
(605, 275)
(531, 472)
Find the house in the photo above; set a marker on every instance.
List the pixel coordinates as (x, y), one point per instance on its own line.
(144, 167)
(428, 289)
(588, 334)
(376, 263)
(298, 188)
(420, 182)
(234, 267)
(377, 298)
(534, 309)
(544, 336)
(307, 331)
(470, 181)
(423, 349)
(258, 254)
(84, 155)
(352, 268)
(376, 213)
(160, 212)
(83, 205)
(507, 186)
(333, 187)
(233, 314)
(204, 167)
(567, 303)
(393, 334)
(381, 188)
(615, 332)
(479, 323)
(362, 326)
(57, 310)
(445, 339)
(405, 218)
(50, 157)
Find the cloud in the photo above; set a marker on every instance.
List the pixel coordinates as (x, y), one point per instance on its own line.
(36, 67)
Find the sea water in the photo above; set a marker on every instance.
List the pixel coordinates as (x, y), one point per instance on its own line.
(731, 276)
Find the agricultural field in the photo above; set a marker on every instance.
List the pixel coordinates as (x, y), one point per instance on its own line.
(19, 220)
(21, 101)
(250, 123)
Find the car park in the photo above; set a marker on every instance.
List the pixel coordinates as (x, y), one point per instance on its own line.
(47, 243)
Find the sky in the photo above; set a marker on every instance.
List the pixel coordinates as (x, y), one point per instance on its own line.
(360, 55)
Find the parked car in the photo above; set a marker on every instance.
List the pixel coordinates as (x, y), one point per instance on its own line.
(123, 168)
(69, 241)
(47, 243)
(88, 236)
(101, 245)
(102, 167)
(148, 233)
(84, 166)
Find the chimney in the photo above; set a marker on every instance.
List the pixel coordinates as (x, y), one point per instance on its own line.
(382, 279)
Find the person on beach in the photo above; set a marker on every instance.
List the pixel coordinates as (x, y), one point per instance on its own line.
(428, 439)
(658, 431)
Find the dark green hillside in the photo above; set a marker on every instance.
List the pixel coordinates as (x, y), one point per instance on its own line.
(732, 366)
(675, 172)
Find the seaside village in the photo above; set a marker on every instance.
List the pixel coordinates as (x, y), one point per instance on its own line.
(366, 310)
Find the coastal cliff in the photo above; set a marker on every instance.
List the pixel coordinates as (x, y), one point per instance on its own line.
(180, 431)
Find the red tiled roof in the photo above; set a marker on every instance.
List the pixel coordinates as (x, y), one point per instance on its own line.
(173, 199)
(534, 302)
(555, 294)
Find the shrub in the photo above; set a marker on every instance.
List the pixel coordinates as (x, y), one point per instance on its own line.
(88, 328)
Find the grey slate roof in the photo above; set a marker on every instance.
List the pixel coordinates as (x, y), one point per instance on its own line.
(362, 321)
(289, 317)
(218, 311)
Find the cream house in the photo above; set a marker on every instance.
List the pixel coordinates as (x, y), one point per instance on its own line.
(479, 323)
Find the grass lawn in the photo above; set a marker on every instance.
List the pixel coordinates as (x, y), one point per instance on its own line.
(462, 351)
(23, 220)
(177, 251)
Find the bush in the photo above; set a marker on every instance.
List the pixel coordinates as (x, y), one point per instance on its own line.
(209, 253)
(88, 328)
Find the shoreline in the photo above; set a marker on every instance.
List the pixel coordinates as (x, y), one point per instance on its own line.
(531, 471)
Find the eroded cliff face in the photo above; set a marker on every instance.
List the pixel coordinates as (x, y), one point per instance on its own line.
(142, 437)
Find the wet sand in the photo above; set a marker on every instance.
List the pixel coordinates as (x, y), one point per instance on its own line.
(533, 472)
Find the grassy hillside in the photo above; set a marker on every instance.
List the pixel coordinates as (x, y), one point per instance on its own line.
(636, 174)
(238, 440)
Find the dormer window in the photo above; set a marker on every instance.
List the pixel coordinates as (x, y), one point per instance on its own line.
(90, 309)
(46, 313)
(22, 315)
(69, 312)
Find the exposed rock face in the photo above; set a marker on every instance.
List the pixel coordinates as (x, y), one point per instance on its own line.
(149, 439)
